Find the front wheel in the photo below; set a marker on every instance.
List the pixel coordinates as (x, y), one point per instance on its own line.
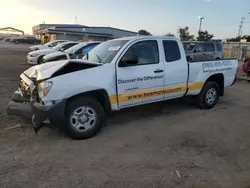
(84, 118)
(40, 60)
(16, 41)
(208, 96)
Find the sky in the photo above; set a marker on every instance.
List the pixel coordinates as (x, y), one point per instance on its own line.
(221, 17)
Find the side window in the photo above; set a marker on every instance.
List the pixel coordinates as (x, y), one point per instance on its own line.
(172, 50)
(68, 46)
(199, 48)
(146, 51)
(219, 47)
(87, 48)
(209, 47)
(53, 44)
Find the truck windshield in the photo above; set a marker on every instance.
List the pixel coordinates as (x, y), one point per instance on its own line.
(188, 46)
(105, 52)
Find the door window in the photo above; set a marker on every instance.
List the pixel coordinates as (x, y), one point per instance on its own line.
(146, 51)
(171, 50)
(199, 48)
(65, 47)
(209, 47)
(219, 47)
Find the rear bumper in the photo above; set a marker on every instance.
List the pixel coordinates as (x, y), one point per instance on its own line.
(235, 78)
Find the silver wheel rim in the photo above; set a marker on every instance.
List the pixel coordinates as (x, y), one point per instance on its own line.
(211, 96)
(83, 118)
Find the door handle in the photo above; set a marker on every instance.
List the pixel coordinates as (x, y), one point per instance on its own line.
(158, 71)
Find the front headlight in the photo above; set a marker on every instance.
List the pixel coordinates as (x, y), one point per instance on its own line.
(44, 87)
(33, 55)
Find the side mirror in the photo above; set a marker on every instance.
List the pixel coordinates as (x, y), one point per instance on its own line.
(62, 49)
(129, 60)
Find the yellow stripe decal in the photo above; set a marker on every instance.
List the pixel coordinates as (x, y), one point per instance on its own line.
(148, 93)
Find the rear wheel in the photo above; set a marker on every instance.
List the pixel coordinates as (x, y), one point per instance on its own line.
(16, 41)
(208, 96)
(84, 118)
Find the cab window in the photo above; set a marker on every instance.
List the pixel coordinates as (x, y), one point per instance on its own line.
(146, 51)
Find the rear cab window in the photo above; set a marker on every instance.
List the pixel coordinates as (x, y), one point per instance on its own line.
(171, 50)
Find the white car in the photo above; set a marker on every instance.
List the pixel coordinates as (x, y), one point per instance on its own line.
(74, 52)
(117, 74)
(48, 45)
(35, 57)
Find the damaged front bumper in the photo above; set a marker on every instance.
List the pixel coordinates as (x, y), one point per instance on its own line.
(19, 106)
(25, 102)
(39, 113)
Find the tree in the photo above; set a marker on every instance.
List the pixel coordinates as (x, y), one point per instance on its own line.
(143, 32)
(170, 34)
(184, 34)
(236, 39)
(204, 35)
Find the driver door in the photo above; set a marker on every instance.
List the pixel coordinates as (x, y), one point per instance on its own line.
(142, 82)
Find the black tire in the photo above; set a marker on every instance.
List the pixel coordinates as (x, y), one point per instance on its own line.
(87, 102)
(16, 41)
(34, 42)
(40, 60)
(217, 58)
(201, 100)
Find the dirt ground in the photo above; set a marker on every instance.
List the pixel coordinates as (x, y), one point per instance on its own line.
(169, 144)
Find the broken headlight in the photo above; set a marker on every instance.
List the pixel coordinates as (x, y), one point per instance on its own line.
(43, 88)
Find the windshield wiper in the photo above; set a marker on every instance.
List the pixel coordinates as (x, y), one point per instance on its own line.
(99, 59)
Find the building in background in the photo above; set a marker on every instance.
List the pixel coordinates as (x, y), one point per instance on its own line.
(74, 32)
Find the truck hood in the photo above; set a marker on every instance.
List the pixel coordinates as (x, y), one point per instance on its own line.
(46, 70)
(53, 55)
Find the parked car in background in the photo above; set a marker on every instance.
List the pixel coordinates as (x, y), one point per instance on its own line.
(74, 52)
(35, 57)
(26, 39)
(246, 65)
(47, 45)
(203, 50)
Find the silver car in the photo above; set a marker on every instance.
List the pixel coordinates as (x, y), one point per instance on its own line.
(201, 50)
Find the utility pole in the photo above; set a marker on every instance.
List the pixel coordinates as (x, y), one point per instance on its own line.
(76, 19)
(240, 26)
(201, 18)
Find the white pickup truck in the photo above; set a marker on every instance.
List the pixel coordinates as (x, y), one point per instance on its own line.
(117, 74)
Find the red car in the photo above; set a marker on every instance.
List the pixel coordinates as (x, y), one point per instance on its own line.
(246, 65)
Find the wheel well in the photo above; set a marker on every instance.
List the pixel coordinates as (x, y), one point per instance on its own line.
(100, 95)
(219, 79)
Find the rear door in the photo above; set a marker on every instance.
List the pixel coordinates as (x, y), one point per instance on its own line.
(143, 82)
(176, 70)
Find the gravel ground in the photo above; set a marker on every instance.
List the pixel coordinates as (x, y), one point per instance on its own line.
(168, 144)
